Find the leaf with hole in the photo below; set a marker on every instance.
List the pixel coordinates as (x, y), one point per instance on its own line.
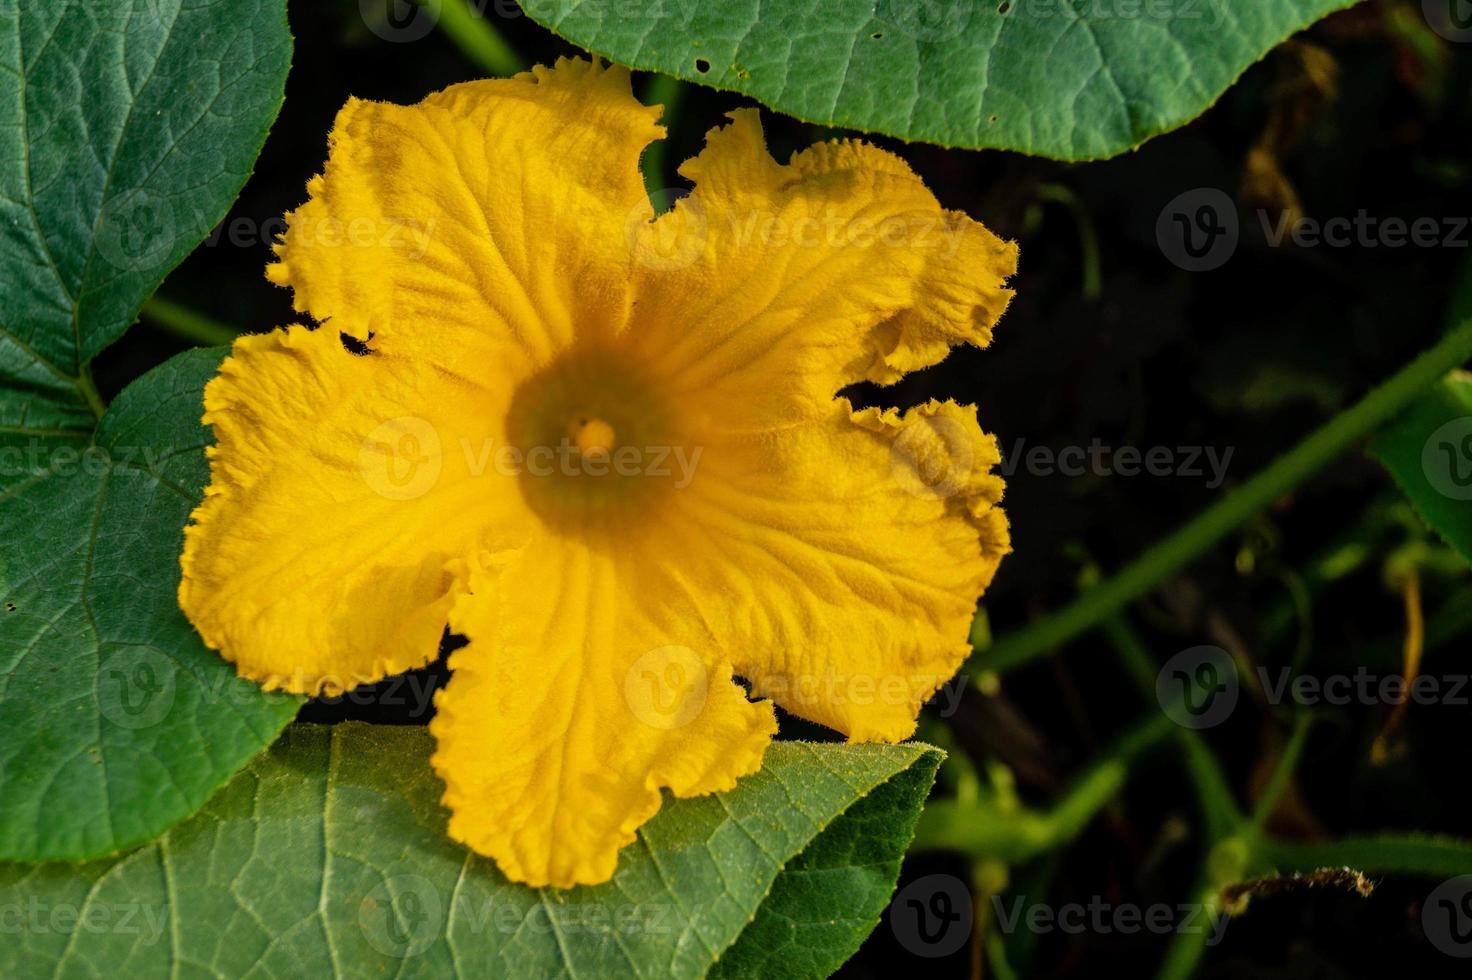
(1070, 79)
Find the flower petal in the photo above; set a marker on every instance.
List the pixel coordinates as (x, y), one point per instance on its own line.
(571, 707)
(841, 560)
(488, 220)
(771, 287)
(321, 556)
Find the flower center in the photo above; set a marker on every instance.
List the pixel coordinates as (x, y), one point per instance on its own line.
(593, 436)
(598, 445)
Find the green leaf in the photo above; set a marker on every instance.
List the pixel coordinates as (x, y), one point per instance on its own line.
(328, 857)
(118, 721)
(1428, 449)
(1071, 79)
(127, 128)
(827, 899)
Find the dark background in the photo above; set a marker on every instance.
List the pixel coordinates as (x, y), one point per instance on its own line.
(1367, 111)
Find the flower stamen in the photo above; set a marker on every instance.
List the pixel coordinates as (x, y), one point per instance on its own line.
(593, 436)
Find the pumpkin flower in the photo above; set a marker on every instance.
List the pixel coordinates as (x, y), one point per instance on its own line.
(607, 447)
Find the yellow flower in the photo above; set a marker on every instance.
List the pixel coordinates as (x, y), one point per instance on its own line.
(605, 447)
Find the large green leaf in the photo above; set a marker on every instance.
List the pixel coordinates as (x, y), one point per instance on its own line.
(328, 857)
(127, 127)
(1428, 449)
(1072, 79)
(117, 721)
(827, 899)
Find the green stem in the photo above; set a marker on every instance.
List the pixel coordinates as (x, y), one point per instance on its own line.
(1188, 947)
(187, 324)
(1435, 857)
(1213, 792)
(996, 957)
(1282, 772)
(667, 91)
(1104, 779)
(475, 36)
(1013, 835)
(1088, 238)
(89, 391)
(1214, 523)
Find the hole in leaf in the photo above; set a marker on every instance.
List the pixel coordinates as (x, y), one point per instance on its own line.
(877, 35)
(1004, 6)
(9, 606)
(702, 65)
(354, 346)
